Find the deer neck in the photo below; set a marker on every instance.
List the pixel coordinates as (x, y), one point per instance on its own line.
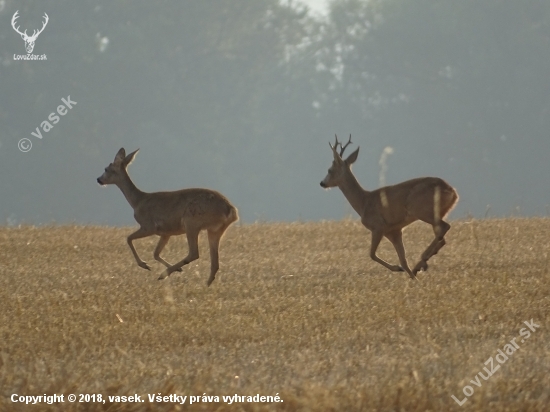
(130, 191)
(353, 192)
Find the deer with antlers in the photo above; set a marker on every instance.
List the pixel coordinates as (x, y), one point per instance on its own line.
(29, 40)
(166, 214)
(386, 211)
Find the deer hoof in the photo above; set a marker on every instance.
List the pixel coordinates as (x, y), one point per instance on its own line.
(144, 265)
(209, 282)
(420, 266)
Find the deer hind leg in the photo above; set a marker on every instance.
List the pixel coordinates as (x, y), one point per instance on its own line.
(396, 238)
(160, 246)
(193, 242)
(376, 238)
(440, 228)
(214, 237)
(138, 234)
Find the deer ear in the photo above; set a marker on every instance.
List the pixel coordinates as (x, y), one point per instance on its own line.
(352, 157)
(121, 154)
(130, 158)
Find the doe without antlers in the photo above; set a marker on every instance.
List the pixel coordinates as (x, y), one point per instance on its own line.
(166, 214)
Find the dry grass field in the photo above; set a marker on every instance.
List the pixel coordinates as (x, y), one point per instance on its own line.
(297, 310)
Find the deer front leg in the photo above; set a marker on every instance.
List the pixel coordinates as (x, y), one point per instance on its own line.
(376, 238)
(193, 241)
(396, 238)
(138, 234)
(160, 246)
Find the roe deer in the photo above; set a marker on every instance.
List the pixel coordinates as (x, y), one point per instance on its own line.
(169, 214)
(386, 211)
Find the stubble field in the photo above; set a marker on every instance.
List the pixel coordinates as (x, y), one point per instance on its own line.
(297, 310)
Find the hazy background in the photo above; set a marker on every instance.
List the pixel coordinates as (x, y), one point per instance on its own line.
(242, 96)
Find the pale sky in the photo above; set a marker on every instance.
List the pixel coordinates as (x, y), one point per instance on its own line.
(317, 6)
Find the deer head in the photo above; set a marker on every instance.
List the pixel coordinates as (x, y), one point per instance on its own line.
(116, 171)
(29, 40)
(339, 166)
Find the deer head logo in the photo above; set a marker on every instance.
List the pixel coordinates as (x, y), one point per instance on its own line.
(29, 40)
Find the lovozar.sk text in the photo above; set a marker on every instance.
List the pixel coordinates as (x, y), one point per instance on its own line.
(501, 358)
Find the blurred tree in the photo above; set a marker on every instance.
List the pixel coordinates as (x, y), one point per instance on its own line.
(209, 82)
(460, 85)
(242, 95)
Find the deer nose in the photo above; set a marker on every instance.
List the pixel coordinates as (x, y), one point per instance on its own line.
(99, 181)
(323, 185)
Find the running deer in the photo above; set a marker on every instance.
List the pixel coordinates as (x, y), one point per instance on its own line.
(166, 214)
(386, 211)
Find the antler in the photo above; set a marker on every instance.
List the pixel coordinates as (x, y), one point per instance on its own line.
(336, 143)
(24, 34)
(15, 17)
(342, 148)
(35, 33)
